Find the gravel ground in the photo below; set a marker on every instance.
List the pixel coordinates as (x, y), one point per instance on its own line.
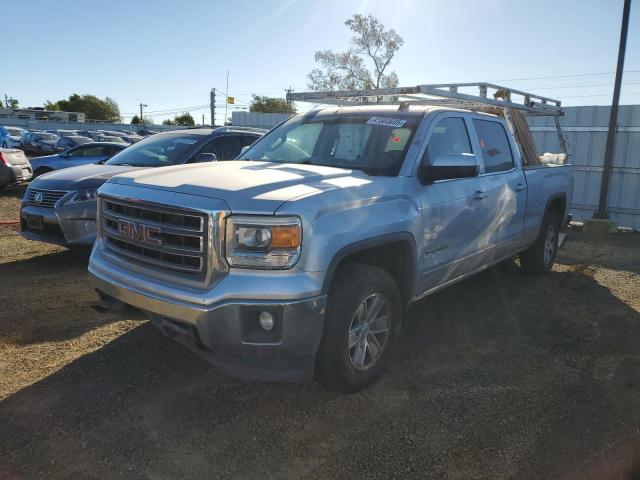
(500, 376)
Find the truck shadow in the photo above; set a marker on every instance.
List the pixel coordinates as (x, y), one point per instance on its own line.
(15, 191)
(48, 298)
(496, 363)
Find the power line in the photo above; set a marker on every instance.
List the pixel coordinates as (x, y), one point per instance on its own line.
(560, 76)
(602, 95)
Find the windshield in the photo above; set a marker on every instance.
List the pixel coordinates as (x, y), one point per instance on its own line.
(80, 140)
(375, 144)
(16, 132)
(158, 151)
(46, 136)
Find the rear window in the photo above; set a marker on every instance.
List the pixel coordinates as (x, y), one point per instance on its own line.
(45, 136)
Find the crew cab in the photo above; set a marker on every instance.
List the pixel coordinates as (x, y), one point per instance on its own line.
(297, 260)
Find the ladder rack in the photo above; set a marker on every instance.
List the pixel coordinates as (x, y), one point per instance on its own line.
(441, 94)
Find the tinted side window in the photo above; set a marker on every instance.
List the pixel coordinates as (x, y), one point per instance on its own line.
(496, 150)
(88, 151)
(225, 148)
(112, 150)
(449, 136)
(247, 140)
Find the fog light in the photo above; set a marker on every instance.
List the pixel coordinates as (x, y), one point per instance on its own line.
(266, 321)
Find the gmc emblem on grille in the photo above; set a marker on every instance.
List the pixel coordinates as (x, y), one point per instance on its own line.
(139, 232)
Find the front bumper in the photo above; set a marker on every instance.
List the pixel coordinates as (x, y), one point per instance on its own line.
(227, 333)
(63, 225)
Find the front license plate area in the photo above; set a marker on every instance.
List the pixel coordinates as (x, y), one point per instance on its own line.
(35, 222)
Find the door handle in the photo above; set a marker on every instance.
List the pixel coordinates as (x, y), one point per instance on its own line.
(479, 195)
(520, 187)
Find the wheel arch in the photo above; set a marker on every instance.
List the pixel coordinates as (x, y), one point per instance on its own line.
(399, 260)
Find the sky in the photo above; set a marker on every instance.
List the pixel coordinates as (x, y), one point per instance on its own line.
(169, 54)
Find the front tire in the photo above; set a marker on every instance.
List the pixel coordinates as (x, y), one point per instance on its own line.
(40, 171)
(364, 314)
(539, 258)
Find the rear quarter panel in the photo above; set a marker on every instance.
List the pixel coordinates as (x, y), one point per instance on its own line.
(545, 183)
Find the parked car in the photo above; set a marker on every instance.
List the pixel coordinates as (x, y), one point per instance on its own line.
(14, 167)
(84, 154)
(62, 133)
(38, 142)
(10, 136)
(113, 133)
(131, 139)
(67, 210)
(65, 143)
(111, 139)
(299, 258)
(90, 133)
(145, 133)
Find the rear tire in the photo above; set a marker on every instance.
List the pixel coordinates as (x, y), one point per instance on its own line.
(539, 258)
(364, 314)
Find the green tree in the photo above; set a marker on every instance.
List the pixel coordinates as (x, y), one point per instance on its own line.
(168, 121)
(13, 103)
(49, 105)
(371, 46)
(93, 107)
(135, 120)
(270, 105)
(184, 119)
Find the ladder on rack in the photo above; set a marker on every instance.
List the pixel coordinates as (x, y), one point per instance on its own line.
(513, 104)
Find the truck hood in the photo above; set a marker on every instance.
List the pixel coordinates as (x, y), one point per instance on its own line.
(84, 176)
(246, 186)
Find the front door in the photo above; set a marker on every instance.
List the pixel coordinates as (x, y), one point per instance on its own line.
(453, 211)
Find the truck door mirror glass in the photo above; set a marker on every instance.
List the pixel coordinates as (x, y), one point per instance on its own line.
(206, 157)
(448, 166)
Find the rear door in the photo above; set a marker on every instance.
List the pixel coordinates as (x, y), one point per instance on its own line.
(85, 155)
(505, 187)
(453, 212)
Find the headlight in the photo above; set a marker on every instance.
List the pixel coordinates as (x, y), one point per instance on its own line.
(84, 195)
(263, 242)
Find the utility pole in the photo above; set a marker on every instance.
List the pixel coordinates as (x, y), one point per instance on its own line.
(141, 117)
(203, 119)
(212, 106)
(613, 118)
(289, 91)
(6, 101)
(226, 101)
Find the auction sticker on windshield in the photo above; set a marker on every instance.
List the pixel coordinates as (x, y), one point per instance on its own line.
(188, 141)
(387, 122)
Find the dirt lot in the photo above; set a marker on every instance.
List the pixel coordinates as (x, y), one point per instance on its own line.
(501, 376)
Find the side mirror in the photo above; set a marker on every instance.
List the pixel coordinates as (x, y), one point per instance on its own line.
(448, 166)
(244, 149)
(205, 157)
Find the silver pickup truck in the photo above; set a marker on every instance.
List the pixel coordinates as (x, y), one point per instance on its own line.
(298, 260)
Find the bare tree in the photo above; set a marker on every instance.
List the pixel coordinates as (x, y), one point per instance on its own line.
(371, 44)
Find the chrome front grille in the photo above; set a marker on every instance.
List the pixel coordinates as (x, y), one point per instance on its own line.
(163, 238)
(44, 198)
